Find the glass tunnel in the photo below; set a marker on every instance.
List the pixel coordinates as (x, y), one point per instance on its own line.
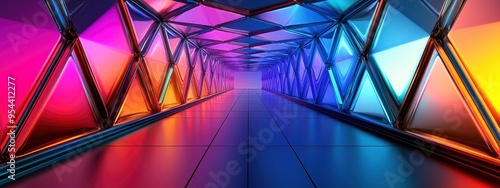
(243, 93)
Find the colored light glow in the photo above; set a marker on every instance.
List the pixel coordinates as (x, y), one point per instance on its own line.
(317, 64)
(157, 61)
(141, 23)
(157, 70)
(396, 74)
(135, 104)
(368, 101)
(362, 21)
(396, 30)
(398, 44)
(344, 63)
(171, 97)
(480, 53)
(441, 107)
(108, 31)
(401, 37)
(192, 90)
(50, 123)
(248, 80)
(157, 50)
(21, 34)
(333, 81)
(329, 97)
(108, 66)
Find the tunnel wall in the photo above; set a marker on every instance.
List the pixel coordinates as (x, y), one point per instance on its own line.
(406, 65)
(77, 73)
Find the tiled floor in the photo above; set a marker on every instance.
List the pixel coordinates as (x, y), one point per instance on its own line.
(252, 138)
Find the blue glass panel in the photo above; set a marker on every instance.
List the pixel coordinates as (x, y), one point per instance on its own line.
(398, 65)
(367, 102)
(336, 5)
(249, 25)
(362, 21)
(292, 15)
(345, 63)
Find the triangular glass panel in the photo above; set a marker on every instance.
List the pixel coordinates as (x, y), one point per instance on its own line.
(183, 64)
(135, 104)
(172, 97)
(174, 42)
(317, 63)
(362, 21)
(336, 6)
(329, 97)
(157, 72)
(436, 5)
(49, 123)
(292, 15)
(207, 16)
(345, 62)
(441, 106)
(164, 6)
(295, 88)
(367, 102)
(106, 29)
(327, 39)
(309, 94)
(312, 29)
(205, 92)
(218, 35)
(157, 50)
(198, 73)
(26, 47)
(192, 90)
(185, 29)
(414, 22)
(108, 66)
(141, 21)
(398, 75)
(475, 37)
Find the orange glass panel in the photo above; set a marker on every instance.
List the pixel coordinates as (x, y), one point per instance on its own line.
(205, 89)
(135, 104)
(157, 71)
(192, 93)
(171, 98)
(476, 39)
(156, 61)
(442, 111)
(183, 64)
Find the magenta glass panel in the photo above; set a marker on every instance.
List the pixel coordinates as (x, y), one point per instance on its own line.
(107, 48)
(163, 6)
(29, 37)
(218, 35)
(62, 112)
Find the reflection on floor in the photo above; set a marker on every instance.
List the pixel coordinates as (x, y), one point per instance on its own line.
(252, 138)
